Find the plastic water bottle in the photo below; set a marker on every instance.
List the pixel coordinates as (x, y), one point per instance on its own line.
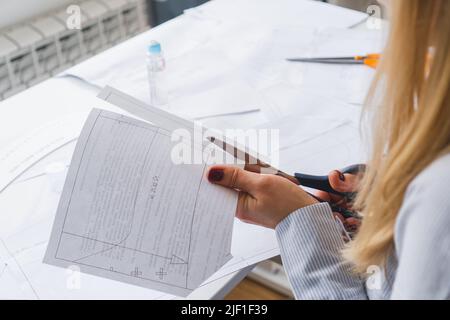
(156, 75)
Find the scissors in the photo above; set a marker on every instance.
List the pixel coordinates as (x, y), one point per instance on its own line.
(370, 60)
(312, 181)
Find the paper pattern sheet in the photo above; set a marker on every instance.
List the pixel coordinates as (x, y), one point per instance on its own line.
(220, 54)
(128, 213)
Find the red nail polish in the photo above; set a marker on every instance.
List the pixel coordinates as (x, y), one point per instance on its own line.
(215, 175)
(341, 175)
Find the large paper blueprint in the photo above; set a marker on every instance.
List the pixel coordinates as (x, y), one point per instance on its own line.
(128, 213)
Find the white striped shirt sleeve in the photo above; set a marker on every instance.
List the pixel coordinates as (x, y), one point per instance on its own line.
(310, 244)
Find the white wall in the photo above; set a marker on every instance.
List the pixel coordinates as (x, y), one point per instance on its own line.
(14, 11)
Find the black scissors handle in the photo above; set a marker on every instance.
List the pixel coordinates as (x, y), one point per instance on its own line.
(322, 182)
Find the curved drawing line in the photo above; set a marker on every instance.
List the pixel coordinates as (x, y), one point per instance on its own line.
(134, 204)
(34, 163)
(20, 269)
(116, 245)
(113, 246)
(192, 222)
(174, 255)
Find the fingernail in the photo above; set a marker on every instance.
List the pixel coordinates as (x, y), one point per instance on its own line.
(215, 175)
(341, 175)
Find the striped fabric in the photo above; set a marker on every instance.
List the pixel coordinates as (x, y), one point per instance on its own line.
(418, 267)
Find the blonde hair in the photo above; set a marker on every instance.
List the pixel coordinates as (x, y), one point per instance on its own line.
(410, 122)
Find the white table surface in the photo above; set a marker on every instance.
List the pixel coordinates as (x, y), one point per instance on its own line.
(62, 96)
(59, 96)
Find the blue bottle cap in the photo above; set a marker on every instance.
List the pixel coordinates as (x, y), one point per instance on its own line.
(154, 47)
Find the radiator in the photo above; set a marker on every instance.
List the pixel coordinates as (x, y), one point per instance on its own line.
(44, 46)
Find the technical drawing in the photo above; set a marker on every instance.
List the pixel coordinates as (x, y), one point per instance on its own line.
(118, 217)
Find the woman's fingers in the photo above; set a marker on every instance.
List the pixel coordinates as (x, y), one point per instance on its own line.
(263, 199)
(246, 204)
(343, 182)
(252, 167)
(330, 197)
(325, 196)
(236, 178)
(233, 177)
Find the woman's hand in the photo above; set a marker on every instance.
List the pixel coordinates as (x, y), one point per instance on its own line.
(263, 199)
(342, 183)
